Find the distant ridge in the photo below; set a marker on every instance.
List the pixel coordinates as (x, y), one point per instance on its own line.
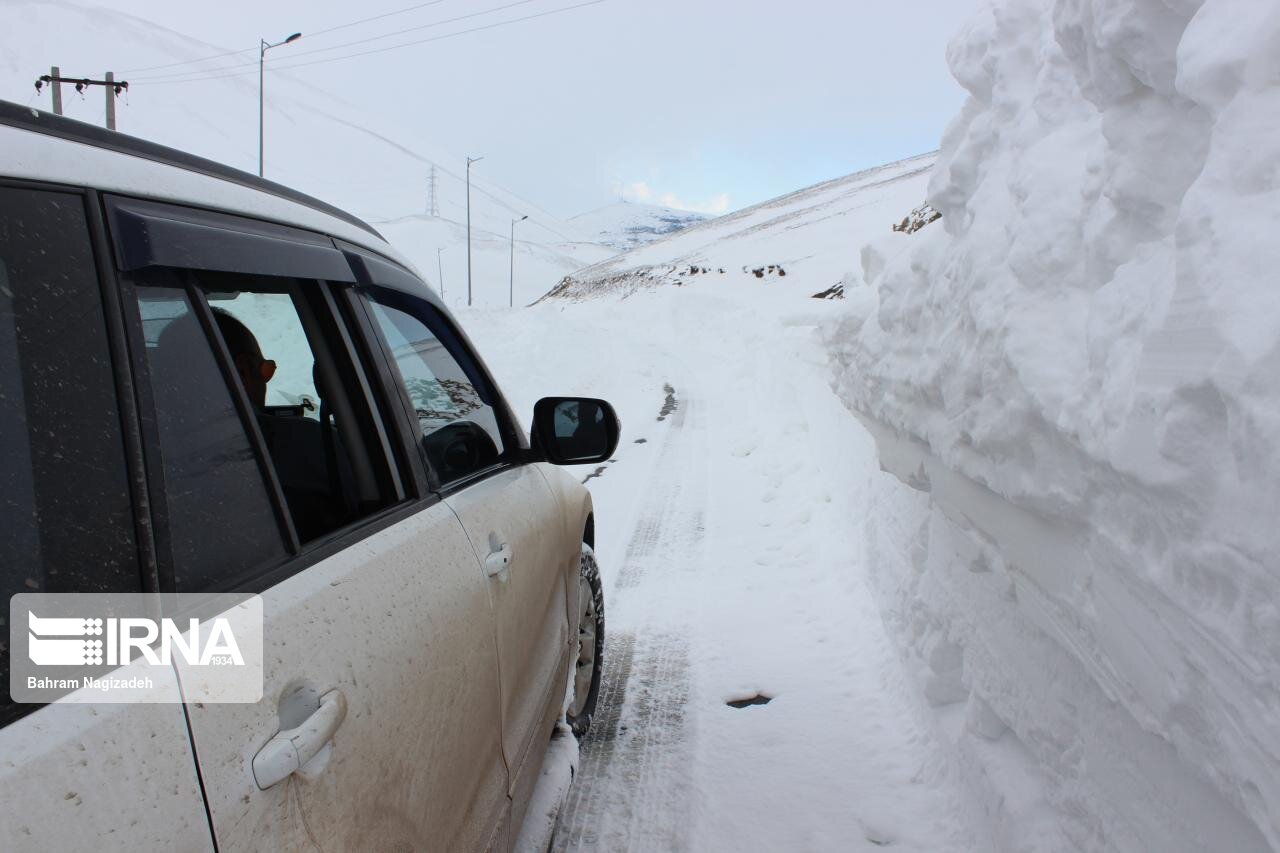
(626, 225)
(808, 240)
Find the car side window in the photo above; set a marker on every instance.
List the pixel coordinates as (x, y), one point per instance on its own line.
(261, 422)
(457, 421)
(305, 405)
(67, 522)
(220, 523)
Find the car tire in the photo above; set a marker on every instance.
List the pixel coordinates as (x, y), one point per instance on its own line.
(585, 690)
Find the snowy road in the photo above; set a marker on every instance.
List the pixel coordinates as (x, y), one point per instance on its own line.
(729, 536)
(634, 792)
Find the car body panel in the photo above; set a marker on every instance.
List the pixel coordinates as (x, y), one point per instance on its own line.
(400, 622)
(514, 507)
(575, 514)
(73, 776)
(575, 502)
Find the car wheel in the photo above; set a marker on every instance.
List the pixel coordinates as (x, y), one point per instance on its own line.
(587, 667)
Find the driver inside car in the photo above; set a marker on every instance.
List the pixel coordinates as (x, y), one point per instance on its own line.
(307, 454)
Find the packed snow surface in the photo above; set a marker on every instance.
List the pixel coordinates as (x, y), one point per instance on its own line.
(626, 225)
(1078, 372)
(732, 572)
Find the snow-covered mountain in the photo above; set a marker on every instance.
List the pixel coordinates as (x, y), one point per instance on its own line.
(805, 242)
(624, 225)
(334, 150)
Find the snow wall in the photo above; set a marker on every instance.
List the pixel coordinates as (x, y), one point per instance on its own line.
(1075, 377)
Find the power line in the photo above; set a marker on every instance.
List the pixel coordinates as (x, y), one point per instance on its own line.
(313, 51)
(417, 28)
(391, 47)
(312, 34)
(189, 61)
(374, 18)
(526, 204)
(381, 49)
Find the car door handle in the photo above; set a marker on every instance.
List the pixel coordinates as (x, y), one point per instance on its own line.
(291, 749)
(498, 561)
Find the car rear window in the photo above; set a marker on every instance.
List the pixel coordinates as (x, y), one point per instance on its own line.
(66, 521)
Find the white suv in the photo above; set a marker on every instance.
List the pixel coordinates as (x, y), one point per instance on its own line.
(209, 382)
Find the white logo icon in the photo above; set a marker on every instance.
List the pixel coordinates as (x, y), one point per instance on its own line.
(74, 641)
(64, 642)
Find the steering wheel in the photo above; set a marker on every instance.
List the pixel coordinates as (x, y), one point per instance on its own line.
(458, 449)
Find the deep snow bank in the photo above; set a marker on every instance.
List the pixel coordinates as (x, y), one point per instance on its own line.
(1078, 371)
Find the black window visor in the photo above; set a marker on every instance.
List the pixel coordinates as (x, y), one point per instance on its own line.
(148, 233)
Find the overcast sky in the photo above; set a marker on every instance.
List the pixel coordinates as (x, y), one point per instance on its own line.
(699, 104)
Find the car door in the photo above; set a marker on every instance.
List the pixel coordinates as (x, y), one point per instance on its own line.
(379, 724)
(72, 775)
(510, 515)
(513, 520)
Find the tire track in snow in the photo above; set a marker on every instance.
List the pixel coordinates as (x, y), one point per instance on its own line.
(576, 828)
(632, 790)
(629, 793)
(674, 509)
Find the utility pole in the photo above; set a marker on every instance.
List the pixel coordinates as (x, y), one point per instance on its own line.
(110, 84)
(56, 75)
(470, 160)
(511, 283)
(433, 208)
(111, 100)
(440, 270)
(263, 47)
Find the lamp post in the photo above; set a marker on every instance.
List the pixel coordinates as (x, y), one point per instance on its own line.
(470, 160)
(440, 270)
(511, 284)
(263, 47)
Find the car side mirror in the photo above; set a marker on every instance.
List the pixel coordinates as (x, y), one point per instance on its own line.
(575, 430)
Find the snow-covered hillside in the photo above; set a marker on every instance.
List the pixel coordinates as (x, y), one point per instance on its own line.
(1076, 375)
(804, 242)
(327, 148)
(624, 225)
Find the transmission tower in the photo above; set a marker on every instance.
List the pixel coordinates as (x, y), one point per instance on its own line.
(433, 206)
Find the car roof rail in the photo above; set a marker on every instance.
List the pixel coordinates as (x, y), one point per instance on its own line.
(39, 121)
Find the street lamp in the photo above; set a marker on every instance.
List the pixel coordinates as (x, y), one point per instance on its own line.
(470, 160)
(263, 47)
(511, 285)
(440, 270)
